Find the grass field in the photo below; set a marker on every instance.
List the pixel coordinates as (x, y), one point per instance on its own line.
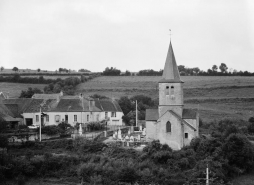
(14, 89)
(50, 77)
(218, 97)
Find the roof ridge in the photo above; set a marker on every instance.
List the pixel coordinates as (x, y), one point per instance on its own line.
(182, 120)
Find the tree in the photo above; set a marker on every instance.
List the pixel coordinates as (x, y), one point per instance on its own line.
(196, 70)
(111, 72)
(127, 73)
(239, 152)
(125, 104)
(38, 69)
(181, 68)
(15, 69)
(83, 70)
(99, 96)
(30, 92)
(2, 68)
(223, 68)
(3, 142)
(215, 68)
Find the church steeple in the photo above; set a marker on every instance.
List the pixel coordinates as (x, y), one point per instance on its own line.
(171, 73)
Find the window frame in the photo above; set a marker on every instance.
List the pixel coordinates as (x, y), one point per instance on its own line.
(113, 114)
(168, 127)
(59, 118)
(186, 135)
(75, 117)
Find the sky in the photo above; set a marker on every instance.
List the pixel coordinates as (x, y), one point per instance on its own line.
(126, 34)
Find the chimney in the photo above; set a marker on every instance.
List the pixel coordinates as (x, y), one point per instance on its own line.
(91, 104)
(80, 95)
(58, 98)
(61, 93)
(82, 100)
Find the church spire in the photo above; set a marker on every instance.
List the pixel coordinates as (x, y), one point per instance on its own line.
(170, 72)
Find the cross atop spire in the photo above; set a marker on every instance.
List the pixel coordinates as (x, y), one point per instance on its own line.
(170, 72)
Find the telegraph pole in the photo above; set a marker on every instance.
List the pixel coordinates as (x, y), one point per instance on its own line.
(40, 123)
(207, 175)
(136, 113)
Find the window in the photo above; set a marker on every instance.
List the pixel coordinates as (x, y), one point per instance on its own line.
(87, 117)
(167, 90)
(186, 135)
(168, 127)
(106, 115)
(172, 90)
(37, 118)
(47, 118)
(113, 114)
(57, 118)
(66, 118)
(75, 117)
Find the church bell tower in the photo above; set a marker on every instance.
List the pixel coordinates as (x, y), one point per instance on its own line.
(170, 86)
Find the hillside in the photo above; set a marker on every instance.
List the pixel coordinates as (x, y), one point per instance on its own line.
(218, 96)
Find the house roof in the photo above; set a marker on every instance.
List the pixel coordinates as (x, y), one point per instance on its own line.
(68, 105)
(17, 105)
(152, 114)
(2, 96)
(14, 109)
(46, 96)
(73, 105)
(6, 115)
(65, 104)
(35, 105)
(170, 72)
(110, 105)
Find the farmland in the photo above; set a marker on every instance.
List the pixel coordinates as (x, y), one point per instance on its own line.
(217, 97)
(14, 89)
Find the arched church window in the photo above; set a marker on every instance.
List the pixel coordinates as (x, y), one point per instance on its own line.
(168, 127)
(167, 90)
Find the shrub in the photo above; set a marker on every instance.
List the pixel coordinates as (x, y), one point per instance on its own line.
(50, 130)
(3, 141)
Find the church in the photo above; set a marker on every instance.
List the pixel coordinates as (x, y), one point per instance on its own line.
(171, 123)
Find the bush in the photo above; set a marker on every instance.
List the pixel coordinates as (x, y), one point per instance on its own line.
(94, 126)
(3, 141)
(50, 130)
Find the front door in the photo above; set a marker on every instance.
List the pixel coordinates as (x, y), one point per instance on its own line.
(66, 118)
(29, 121)
(42, 121)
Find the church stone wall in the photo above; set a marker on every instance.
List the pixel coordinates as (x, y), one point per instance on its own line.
(170, 99)
(191, 133)
(151, 130)
(170, 96)
(173, 139)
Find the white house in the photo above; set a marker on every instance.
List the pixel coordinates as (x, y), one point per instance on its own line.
(71, 109)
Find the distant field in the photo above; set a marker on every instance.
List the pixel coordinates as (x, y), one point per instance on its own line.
(218, 97)
(149, 82)
(50, 77)
(15, 89)
(202, 88)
